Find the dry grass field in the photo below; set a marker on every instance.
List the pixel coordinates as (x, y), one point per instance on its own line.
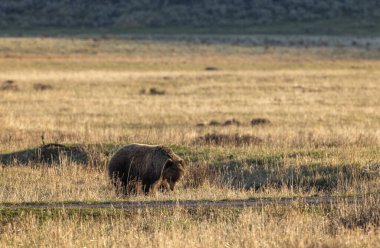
(318, 135)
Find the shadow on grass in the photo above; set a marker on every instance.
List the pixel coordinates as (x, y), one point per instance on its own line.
(270, 172)
(300, 178)
(222, 167)
(46, 154)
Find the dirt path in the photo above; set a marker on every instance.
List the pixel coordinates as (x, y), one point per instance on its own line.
(305, 201)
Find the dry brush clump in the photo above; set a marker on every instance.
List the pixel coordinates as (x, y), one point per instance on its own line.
(259, 121)
(152, 91)
(211, 68)
(9, 85)
(228, 139)
(42, 86)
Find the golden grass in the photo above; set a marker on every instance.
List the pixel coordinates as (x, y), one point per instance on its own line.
(313, 97)
(273, 226)
(79, 184)
(322, 104)
(102, 106)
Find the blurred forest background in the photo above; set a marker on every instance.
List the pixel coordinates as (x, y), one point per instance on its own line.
(362, 14)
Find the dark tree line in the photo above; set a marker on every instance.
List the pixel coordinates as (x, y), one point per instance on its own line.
(196, 13)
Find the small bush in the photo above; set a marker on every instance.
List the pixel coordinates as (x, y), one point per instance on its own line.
(42, 87)
(259, 121)
(9, 85)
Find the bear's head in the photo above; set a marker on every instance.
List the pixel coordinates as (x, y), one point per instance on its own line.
(173, 171)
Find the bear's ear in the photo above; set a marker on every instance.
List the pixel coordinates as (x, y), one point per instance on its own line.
(169, 163)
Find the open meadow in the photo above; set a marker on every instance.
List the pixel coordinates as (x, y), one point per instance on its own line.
(273, 120)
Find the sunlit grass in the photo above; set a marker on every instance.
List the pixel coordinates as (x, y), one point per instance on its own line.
(323, 139)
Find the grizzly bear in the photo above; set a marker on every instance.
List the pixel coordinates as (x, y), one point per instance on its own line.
(137, 167)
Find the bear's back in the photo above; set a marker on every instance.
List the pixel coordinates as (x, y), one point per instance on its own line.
(131, 158)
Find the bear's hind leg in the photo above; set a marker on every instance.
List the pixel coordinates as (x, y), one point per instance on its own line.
(147, 188)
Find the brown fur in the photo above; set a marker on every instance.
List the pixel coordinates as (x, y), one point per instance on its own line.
(137, 167)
